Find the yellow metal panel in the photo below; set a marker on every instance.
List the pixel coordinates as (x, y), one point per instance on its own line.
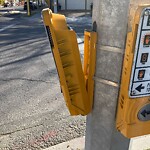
(67, 58)
(90, 39)
(127, 121)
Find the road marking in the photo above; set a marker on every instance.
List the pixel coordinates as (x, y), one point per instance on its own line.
(7, 27)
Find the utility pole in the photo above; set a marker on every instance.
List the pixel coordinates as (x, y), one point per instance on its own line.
(52, 5)
(28, 8)
(55, 6)
(112, 26)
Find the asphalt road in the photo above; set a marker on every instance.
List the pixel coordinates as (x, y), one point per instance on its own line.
(33, 114)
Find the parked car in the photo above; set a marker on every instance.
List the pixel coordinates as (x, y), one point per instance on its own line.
(31, 4)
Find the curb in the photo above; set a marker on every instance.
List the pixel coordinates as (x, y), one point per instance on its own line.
(75, 144)
(138, 143)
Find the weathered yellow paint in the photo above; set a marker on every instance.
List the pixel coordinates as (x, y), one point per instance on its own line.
(90, 39)
(127, 121)
(67, 58)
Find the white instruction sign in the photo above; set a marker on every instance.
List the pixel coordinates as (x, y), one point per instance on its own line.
(140, 77)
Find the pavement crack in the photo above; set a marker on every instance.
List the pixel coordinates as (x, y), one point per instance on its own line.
(23, 129)
(24, 79)
(47, 66)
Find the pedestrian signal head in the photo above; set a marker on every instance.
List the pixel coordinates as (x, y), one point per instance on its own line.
(67, 58)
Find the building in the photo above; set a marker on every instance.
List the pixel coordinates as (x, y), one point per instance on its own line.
(75, 4)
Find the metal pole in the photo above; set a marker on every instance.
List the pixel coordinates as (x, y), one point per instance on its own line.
(85, 4)
(28, 8)
(66, 5)
(55, 6)
(112, 19)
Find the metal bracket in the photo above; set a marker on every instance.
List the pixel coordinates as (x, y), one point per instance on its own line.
(90, 39)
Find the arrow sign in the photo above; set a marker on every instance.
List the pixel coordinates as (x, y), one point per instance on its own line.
(139, 88)
(144, 113)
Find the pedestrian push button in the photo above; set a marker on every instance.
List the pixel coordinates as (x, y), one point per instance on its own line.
(133, 115)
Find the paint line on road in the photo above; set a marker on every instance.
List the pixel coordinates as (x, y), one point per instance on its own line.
(80, 45)
(79, 40)
(7, 27)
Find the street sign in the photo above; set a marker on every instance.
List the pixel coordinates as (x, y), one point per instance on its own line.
(140, 76)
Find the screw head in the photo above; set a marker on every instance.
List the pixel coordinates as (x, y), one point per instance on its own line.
(146, 13)
(133, 92)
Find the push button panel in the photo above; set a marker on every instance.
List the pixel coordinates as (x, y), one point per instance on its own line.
(133, 115)
(140, 76)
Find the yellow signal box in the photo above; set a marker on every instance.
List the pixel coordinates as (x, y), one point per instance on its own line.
(133, 115)
(67, 58)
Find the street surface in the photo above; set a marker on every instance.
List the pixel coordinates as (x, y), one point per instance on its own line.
(33, 114)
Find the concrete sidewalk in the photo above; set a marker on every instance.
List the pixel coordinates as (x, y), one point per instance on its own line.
(75, 144)
(139, 143)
